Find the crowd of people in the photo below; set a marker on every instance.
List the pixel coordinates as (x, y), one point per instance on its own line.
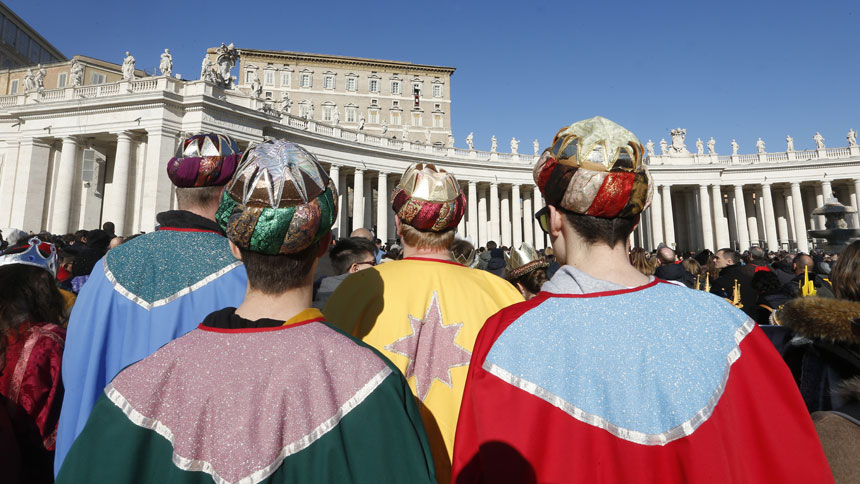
(241, 342)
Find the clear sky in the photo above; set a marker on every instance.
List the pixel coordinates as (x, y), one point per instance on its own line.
(726, 69)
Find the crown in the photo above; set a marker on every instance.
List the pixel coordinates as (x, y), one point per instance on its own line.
(426, 182)
(523, 260)
(36, 253)
(598, 144)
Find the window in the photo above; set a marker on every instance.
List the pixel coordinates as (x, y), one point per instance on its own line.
(250, 76)
(22, 45)
(34, 51)
(395, 88)
(437, 120)
(374, 102)
(437, 107)
(304, 109)
(306, 79)
(373, 116)
(416, 87)
(328, 82)
(61, 79)
(13, 89)
(10, 32)
(395, 104)
(327, 112)
(270, 77)
(350, 114)
(416, 119)
(97, 78)
(437, 90)
(373, 85)
(351, 84)
(395, 118)
(285, 79)
(268, 94)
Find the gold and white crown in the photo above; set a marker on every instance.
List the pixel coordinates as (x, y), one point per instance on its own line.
(521, 261)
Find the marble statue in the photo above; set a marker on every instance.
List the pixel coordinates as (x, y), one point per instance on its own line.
(207, 70)
(225, 58)
(759, 146)
(427, 136)
(735, 147)
(678, 135)
(166, 64)
(819, 141)
(450, 143)
(494, 144)
(361, 122)
(384, 127)
(711, 146)
(39, 77)
(515, 146)
(128, 67)
(77, 73)
(664, 147)
(789, 143)
(311, 110)
(29, 81)
(536, 146)
(405, 134)
(335, 115)
(700, 147)
(256, 88)
(649, 148)
(852, 137)
(470, 141)
(286, 104)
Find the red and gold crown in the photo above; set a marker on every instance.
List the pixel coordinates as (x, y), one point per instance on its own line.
(428, 199)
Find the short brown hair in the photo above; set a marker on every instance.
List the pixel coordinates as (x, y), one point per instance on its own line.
(427, 240)
(198, 196)
(642, 261)
(845, 275)
(532, 280)
(609, 231)
(276, 274)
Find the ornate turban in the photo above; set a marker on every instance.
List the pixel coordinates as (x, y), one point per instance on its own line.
(280, 201)
(428, 199)
(595, 167)
(204, 160)
(522, 261)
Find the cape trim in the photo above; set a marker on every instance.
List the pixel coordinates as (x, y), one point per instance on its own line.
(181, 229)
(615, 292)
(683, 430)
(195, 465)
(161, 302)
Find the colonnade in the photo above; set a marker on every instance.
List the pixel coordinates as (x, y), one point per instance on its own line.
(773, 215)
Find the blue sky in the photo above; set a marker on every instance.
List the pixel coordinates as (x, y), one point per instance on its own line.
(726, 69)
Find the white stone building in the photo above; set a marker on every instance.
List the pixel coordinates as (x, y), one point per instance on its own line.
(75, 157)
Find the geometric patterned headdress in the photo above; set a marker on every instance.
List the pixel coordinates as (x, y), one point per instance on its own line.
(35, 253)
(595, 167)
(280, 201)
(204, 160)
(522, 261)
(428, 199)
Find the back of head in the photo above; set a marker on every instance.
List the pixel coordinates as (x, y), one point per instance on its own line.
(731, 256)
(845, 273)
(109, 227)
(463, 252)
(766, 283)
(202, 165)
(491, 245)
(278, 206)
(692, 266)
(349, 251)
(803, 263)
(429, 204)
(666, 256)
(363, 233)
(28, 290)
(642, 261)
(594, 172)
(757, 254)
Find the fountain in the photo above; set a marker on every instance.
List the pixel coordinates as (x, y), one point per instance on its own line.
(836, 231)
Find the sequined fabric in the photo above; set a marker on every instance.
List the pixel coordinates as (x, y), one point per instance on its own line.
(428, 199)
(270, 398)
(204, 160)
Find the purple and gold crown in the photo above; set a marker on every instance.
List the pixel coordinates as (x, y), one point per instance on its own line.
(428, 199)
(595, 167)
(35, 253)
(204, 160)
(522, 261)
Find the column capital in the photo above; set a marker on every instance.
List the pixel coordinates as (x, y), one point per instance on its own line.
(383, 174)
(359, 171)
(795, 184)
(766, 183)
(70, 138)
(123, 135)
(473, 183)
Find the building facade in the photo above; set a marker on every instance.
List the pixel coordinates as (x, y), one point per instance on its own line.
(20, 45)
(74, 157)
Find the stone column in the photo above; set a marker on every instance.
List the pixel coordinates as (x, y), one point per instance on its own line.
(382, 208)
(116, 194)
(752, 220)
(494, 234)
(505, 219)
(64, 185)
(770, 222)
(343, 212)
(472, 206)
(483, 223)
(158, 191)
(779, 207)
(27, 204)
(707, 224)
(820, 196)
(528, 217)
(799, 218)
(357, 200)
(857, 201)
(368, 203)
(516, 216)
(657, 217)
(741, 219)
(668, 215)
(537, 204)
(721, 225)
(334, 174)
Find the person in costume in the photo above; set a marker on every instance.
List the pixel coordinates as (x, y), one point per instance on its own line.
(156, 287)
(526, 270)
(612, 376)
(32, 312)
(267, 392)
(424, 312)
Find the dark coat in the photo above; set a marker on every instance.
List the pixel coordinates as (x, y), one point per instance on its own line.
(723, 286)
(675, 272)
(822, 287)
(839, 432)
